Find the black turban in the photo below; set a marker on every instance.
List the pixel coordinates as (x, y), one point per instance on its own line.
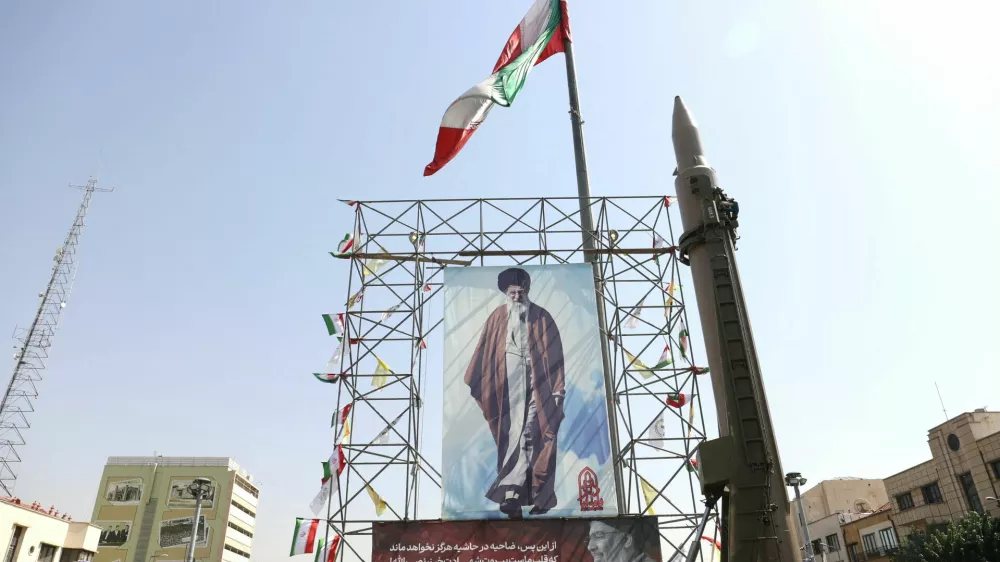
(513, 276)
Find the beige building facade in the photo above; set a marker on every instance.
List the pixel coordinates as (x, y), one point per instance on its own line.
(30, 533)
(963, 472)
(831, 503)
(871, 537)
(146, 512)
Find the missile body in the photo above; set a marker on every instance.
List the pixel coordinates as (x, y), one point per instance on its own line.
(742, 467)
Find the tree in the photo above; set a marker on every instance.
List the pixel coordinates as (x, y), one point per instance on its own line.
(975, 538)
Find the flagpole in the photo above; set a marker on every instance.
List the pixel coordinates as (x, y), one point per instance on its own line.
(587, 224)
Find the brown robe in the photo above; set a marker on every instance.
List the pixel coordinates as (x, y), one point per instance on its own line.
(487, 380)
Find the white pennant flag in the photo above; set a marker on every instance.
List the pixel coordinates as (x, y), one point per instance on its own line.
(388, 313)
(383, 437)
(658, 433)
(633, 320)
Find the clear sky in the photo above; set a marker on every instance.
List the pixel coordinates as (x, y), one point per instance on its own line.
(860, 138)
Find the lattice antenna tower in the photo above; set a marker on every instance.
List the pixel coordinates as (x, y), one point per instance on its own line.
(32, 347)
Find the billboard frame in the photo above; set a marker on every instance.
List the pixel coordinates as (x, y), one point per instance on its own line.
(439, 233)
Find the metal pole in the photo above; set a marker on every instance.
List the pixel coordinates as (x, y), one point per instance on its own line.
(587, 224)
(194, 525)
(807, 555)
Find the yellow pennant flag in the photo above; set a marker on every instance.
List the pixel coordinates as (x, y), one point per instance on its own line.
(346, 437)
(640, 367)
(670, 298)
(371, 266)
(382, 372)
(649, 493)
(380, 504)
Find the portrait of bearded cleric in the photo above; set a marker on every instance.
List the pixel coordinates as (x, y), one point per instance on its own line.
(523, 355)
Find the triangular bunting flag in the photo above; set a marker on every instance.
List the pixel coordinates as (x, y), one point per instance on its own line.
(380, 504)
(382, 372)
(355, 299)
(649, 494)
(658, 433)
(371, 266)
(670, 298)
(633, 315)
(383, 437)
(665, 358)
(638, 365)
(684, 339)
(691, 465)
(388, 313)
(699, 370)
(339, 418)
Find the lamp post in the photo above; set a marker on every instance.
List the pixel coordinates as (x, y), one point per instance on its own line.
(794, 479)
(198, 489)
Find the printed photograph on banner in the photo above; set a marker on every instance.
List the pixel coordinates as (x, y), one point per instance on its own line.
(181, 496)
(177, 532)
(633, 539)
(124, 491)
(525, 415)
(113, 533)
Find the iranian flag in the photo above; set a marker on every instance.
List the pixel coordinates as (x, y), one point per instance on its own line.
(331, 482)
(685, 339)
(346, 247)
(328, 552)
(342, 418)
(335, 324)
(539, 36)
(665, 358)
(304, 539)
(677, 399)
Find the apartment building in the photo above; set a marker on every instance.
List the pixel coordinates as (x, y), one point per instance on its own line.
(32, 533)
(871, 537)
(963, 472)
(831, 503)
(146, 511)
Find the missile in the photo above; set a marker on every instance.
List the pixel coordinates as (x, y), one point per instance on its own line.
(741, 467)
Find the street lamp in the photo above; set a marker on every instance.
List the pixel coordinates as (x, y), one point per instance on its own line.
(198, 488)
(795, 479)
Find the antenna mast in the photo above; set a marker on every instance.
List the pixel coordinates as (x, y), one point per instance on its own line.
(33, 348)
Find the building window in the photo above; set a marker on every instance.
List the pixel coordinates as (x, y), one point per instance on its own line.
(250, 489)
(47, 552)
(932, 494)
(853, 552)
(817, 546)
(971, 495)
(888, 538)
(871, 544)
(243, 509)
(71, 555)
(996, 468)
(833, 543)
(239, 529)
(237, 551)
(905, 501)
(15, 543)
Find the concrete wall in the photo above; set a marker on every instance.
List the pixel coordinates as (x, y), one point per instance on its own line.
(825, 527)
(854, 530)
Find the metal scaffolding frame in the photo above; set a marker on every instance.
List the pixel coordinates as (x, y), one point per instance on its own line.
(393, 312)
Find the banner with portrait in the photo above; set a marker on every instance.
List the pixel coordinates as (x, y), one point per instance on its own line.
(526, 429)
(113, 533)
(620, 539)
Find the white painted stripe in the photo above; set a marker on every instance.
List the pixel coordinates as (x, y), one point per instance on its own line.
(535, 22)
(471, 108)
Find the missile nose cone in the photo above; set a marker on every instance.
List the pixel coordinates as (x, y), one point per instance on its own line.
(687, 141)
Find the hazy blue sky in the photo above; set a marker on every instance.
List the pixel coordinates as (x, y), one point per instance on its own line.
(859, 137)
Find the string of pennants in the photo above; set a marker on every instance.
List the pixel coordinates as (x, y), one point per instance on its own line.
(306, 530)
